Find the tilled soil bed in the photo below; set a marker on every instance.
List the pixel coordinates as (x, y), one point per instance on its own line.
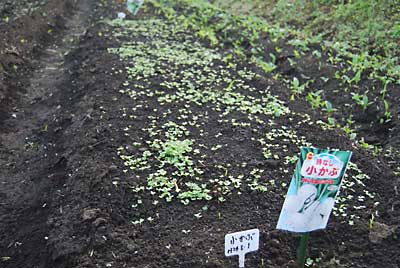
(134, 143)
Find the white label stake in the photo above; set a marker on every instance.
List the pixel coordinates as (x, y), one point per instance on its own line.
(241, 243)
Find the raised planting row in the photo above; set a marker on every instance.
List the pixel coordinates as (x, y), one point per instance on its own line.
(349, 88)
(200, 107)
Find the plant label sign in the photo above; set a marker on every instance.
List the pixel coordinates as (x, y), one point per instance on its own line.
(134, 5)
(313, 189)
(240, 243)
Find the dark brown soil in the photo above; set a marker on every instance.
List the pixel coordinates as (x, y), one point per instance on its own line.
(24, 37)
(59, 134)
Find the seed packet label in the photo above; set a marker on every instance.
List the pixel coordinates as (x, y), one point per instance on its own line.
(240, 243)
(313, 190)
(134, 5)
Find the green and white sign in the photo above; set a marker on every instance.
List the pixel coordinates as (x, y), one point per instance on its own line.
(313, 189)
(134, 5)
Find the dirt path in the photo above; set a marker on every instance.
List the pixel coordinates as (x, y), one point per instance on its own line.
(34, 170)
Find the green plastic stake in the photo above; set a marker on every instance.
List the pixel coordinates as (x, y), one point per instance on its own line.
(302, 254)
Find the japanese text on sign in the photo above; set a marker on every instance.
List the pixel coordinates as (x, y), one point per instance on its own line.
(241, 243)
(321, 168)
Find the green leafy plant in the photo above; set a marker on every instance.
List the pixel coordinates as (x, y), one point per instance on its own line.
(361, 100)
(371, 221)
(329, 108)
(195, 192)
(314, 98)
(387, 117)
(174, 152)
(296, 88)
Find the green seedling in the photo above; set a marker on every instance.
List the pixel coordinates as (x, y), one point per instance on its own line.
(173, 152)
(314, 98)
(364, 144)
(371, 221)
(361, 100)
(387, 115)
(310, 262)
(296, 88)
(331, 121)
(329, 108)
(195, 192)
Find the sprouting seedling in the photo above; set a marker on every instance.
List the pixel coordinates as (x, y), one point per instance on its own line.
(219, 215)
(300, 44)
(273, 58)
(371, 221)
(388, 114)
(296, 88)
(331, 121)
(231, 85)
(365, 102)
(386, 82)
(357, 77)
(314, 98)
(267, 67)
(292, 62)
(364, 144)
(361, 100)
(310, 262)
(329, 107)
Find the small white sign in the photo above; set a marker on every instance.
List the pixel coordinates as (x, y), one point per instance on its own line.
(241, 243)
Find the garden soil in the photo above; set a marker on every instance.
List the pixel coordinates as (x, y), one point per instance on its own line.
(65, 202)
